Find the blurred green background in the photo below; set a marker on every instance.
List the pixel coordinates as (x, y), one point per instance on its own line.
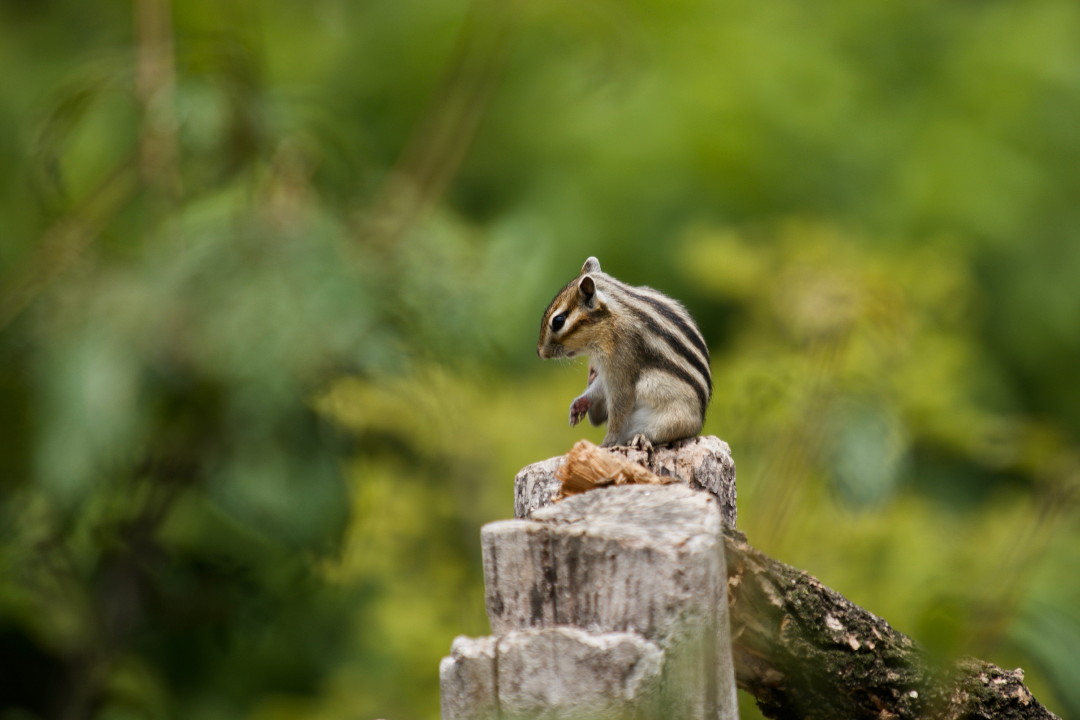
(272, 273)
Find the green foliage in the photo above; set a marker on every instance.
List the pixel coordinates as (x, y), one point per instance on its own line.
(271, 279)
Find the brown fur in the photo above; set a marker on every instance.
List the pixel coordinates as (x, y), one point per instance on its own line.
(639, 383)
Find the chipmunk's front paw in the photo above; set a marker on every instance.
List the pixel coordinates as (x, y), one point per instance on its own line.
(578, 408)
(640, 442)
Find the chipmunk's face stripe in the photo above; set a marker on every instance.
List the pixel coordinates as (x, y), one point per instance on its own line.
(580, 319)
(559, 299)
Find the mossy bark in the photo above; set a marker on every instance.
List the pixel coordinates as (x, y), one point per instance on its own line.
(805, 651)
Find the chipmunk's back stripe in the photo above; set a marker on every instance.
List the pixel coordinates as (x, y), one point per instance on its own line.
(678, 347)
(653, 358)
(670, 313)
(645, 310)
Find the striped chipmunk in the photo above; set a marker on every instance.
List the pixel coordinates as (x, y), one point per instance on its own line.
(649, 372)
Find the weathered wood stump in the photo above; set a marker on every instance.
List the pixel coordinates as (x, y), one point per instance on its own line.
(701, 463)
(639, 569)
(560, 672)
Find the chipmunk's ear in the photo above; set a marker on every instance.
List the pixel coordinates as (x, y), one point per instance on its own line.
(587, 288)
(591, 265)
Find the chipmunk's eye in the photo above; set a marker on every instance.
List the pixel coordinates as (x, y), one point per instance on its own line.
(558, 321)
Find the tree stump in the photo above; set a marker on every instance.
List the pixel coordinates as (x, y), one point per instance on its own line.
(701, 463)
(636, 569)
(551, 673)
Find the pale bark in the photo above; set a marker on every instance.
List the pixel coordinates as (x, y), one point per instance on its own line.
(702, 463)
(609, 604)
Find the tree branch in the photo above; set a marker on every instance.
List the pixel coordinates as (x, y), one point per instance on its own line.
(803, 650)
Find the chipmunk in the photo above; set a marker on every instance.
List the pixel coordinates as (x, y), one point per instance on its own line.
(649, 372)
